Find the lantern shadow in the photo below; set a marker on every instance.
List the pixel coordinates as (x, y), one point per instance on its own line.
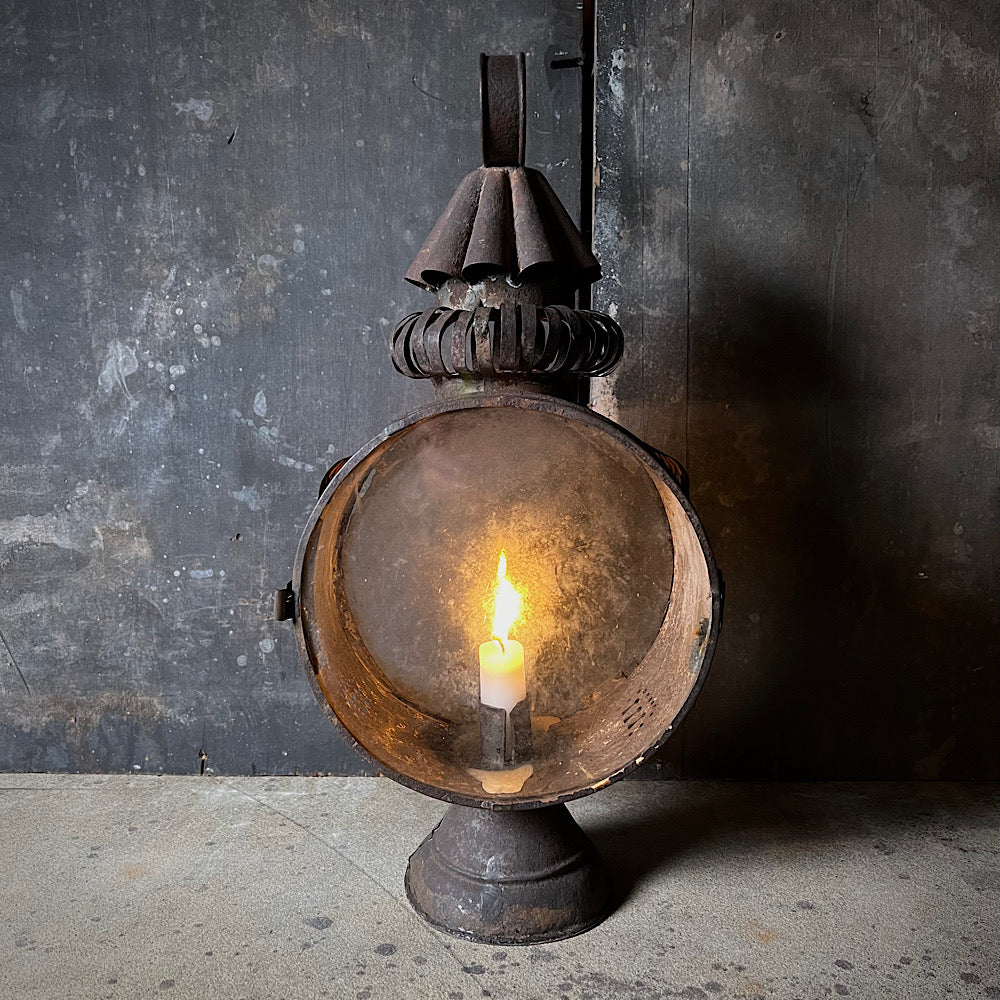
(665, 829)
(756, 437)
(693, 831)
(839, 654)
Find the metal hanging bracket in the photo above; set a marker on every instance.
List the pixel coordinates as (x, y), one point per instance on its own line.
(501, 97)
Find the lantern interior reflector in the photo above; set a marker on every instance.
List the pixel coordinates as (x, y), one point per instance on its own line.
(618, 597)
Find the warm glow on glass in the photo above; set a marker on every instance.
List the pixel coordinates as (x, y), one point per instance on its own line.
(506, 602)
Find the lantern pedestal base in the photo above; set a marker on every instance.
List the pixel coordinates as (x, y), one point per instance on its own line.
(521, 876)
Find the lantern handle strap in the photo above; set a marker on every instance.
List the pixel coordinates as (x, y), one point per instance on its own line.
(501, 96)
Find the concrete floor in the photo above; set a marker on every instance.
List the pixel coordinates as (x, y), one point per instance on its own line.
(293, 887)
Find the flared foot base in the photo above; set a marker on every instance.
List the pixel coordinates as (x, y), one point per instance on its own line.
(509, 877)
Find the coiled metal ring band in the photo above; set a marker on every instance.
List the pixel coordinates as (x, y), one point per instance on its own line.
(509, 340)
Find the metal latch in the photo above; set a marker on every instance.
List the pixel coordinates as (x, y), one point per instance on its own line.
(284, 603)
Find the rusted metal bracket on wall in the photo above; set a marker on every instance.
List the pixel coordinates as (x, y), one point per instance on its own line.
(502, 82)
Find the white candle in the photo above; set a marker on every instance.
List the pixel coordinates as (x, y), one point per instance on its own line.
(501, 674)
(501, 660)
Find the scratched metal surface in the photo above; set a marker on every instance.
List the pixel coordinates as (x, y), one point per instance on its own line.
(797, 217)
(207, 212)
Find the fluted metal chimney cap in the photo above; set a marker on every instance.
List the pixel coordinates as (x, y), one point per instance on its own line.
(504, 221)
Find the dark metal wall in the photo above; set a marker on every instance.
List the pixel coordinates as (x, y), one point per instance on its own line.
(207, 211)
(798, 214)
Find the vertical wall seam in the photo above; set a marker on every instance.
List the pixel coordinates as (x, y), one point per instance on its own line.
(641, 149)
(588, 134)
(687, 249)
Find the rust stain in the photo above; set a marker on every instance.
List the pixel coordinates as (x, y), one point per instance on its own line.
(134, 871)
(763, 934)
(543, 723)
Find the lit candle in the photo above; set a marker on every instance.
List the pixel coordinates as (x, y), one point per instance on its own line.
(501, 660)
(501, 673)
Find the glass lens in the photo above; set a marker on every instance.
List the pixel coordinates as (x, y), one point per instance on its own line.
(587, 544)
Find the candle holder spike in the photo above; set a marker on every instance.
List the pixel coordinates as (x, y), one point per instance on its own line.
(505, 736)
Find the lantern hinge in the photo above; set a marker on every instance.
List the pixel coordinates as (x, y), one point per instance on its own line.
(284, 603)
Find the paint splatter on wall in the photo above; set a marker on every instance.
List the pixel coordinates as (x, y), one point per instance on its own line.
(208, 212)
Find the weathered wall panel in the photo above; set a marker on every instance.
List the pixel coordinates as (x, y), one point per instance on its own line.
(207, 211)
(798, 213)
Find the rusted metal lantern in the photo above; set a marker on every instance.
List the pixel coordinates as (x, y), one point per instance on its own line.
(399, 568)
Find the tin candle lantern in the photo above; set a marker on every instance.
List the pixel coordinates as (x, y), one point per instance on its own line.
(507, 707)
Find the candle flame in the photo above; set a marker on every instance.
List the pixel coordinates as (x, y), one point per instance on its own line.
(506, 602)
